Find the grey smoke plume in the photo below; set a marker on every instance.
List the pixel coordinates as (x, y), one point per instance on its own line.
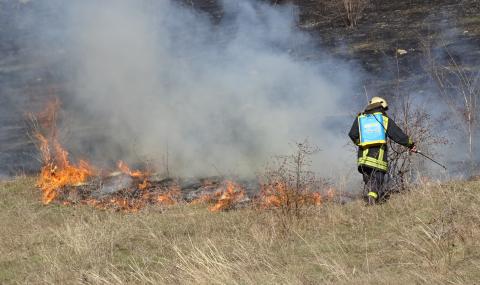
(153, 78)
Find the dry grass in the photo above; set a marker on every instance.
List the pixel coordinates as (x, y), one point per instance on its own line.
(430, 235)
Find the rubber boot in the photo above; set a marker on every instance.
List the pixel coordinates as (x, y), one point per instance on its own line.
(372, 198)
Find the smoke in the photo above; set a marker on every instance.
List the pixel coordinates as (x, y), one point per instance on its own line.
(159, 80)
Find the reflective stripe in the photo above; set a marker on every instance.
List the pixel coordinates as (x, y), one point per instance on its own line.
(372, 162)
(385, 123)
(381, 153)
(372, 143)
(373, 194)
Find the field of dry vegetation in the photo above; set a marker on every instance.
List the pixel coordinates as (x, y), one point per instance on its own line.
(430, 235)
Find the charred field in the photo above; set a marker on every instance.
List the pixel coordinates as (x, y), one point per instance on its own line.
(148, 143)
(31, 77)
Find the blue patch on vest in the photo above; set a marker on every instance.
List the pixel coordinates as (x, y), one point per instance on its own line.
(371, 129)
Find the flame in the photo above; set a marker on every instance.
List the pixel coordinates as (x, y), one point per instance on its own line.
(280, 194)
(144, 185)
(232, 194)
(317, 198)
(123, 167)
(171, 197)
(274, 195)
(208, 197)
(166, 200)
(59, 174)
(116, 203)
(205, 198)
(123, 204)
(57, 171)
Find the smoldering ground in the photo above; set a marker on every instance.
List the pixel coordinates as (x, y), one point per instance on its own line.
(152, 79)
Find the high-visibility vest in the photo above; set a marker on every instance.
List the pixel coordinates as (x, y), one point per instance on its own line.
(373, 132)
(372, 129)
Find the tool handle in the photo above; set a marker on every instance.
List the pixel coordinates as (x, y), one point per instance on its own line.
(431, 159)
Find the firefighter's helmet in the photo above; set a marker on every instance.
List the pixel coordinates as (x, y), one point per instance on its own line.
(379, 100)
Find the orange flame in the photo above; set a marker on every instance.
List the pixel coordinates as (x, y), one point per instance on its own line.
(274, 195)
(203, 199)
(144, 185)
(57, 171)
(123, 167)
(232, 194)
(279, 194)
(171, 197)
(316, 198)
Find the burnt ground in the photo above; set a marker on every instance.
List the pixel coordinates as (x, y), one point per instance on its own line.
(385, 27)
(413, 26)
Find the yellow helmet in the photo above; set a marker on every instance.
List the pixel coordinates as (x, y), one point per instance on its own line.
(379, 100)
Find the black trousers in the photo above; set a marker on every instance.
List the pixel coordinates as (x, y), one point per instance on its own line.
(373, 180)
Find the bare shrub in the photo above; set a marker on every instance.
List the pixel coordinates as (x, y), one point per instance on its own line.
(352, 10)
(289, 186)
(44, 124)
(459, 87)
(418, 123)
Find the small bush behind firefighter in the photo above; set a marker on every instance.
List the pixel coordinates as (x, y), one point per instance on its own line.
(370, 131)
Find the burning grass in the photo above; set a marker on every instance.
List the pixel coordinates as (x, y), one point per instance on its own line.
(430, 235)
(66, 183)
(131, 190)
(57, 171)
(126, 189)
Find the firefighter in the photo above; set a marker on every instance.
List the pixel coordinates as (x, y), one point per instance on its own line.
(369, 132)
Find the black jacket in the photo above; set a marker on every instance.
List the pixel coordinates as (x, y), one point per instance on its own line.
(393, 132)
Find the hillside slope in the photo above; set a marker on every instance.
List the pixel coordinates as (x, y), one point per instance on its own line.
(430, 235)
(27, 78)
